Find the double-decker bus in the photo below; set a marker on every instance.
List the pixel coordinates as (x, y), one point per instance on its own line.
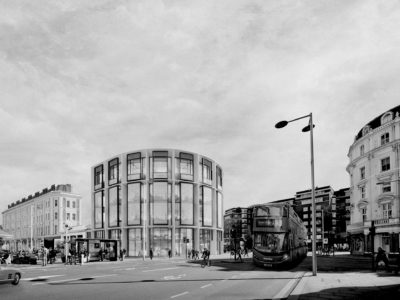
(279, 235)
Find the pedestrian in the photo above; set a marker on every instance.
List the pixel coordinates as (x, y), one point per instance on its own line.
(381, 257)
(151, 253)
(121, 255)
(124, 252)
(45, 255)
(169, 253)
(101, 254)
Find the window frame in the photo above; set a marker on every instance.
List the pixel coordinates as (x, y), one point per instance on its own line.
(385, 164)
(385, 138)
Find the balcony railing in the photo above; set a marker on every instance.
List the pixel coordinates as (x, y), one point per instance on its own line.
(387, 221)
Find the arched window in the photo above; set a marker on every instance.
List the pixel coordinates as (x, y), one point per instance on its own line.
(387, 117)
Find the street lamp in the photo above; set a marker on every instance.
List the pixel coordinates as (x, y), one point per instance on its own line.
(309, 127)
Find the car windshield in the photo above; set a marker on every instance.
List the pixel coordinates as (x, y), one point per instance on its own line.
(269, 242)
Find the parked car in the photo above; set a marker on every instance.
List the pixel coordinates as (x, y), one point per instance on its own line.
(8, 274)
(25, 259)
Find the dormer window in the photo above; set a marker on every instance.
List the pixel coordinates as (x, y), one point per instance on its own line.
(387, 117)
(366, 130)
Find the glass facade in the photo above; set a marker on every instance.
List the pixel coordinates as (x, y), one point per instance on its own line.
(134, 204)
(166, 200)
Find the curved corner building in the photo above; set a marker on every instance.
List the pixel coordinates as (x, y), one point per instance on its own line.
(374, 179)
(159, 199)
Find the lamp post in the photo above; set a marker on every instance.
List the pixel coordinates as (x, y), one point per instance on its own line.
(309, 127)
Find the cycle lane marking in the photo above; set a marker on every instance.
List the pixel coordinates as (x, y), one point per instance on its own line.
(181, 294)
(73, 279)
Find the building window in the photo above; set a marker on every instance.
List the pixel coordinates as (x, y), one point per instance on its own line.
(362, 150)
(160, 203)
(362, 173)
(67, 203)
(386, 187)
(160, 164)
(55, 202)
(186, 193)
(73, 217)
(385, 164)
(98, 177)
(73, 204)
(68, 216)
(206, 168)
(364, 214)
(362, 192)
(206, 206)
(135, 246)
(99, 210)
(135, 166)
(387, 210)
(186, 166)
(219, 210)
(55, 216)
(113, 206)
(219, 178)
(113, 171)
(385, 138)
(55, 229)
(134, 203)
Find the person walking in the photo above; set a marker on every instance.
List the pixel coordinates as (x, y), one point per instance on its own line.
(151, 253)
(121, 255)
(45, 256)
(169, 253)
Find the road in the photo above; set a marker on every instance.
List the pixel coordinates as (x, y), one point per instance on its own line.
(155, 279)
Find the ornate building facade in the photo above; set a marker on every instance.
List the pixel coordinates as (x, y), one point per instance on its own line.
(374, 185)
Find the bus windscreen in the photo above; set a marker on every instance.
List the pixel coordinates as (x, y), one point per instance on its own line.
(270, 242)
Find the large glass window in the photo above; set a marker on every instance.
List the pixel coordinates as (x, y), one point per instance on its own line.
(134, 204)
(219, 210)
(113, 206)
(135, 246)
(98, 210)
(206, 206)
(161, 241)
(160, 164)
(186, 204)
(113, 171)
(219, 178)
(206, 168)
(135, 166)
(385, 164)
(205, 239)
(98, 177)
(160, 200)
(183, 241)
(185, 166)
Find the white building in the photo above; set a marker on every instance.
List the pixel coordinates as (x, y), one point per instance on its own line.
(42, 218)
(374, 184)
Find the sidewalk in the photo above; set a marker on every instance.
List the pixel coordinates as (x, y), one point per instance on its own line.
(345, 277)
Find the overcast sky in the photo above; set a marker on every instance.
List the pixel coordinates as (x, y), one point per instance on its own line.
(82, 81)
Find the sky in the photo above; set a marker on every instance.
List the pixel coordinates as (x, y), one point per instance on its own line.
(82, 81)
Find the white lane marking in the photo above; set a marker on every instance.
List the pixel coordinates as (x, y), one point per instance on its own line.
(284, 292)
(124, 269)
(40, 277)
(204, 286)
(172, 277)
(73, 279)
(153, 270)
(181, 294)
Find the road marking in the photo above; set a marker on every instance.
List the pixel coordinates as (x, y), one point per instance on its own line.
(172, 277)
(161, 269)
(289, 287)
(181, 294)
(40, 277)
(204, 286)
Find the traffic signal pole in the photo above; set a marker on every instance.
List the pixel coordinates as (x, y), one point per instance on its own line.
(372, 232)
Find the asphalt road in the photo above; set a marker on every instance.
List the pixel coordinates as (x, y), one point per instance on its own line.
(156, 279)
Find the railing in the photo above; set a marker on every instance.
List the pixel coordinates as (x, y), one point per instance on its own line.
(387, 221)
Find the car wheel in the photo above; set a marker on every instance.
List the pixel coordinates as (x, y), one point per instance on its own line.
(17, 277)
